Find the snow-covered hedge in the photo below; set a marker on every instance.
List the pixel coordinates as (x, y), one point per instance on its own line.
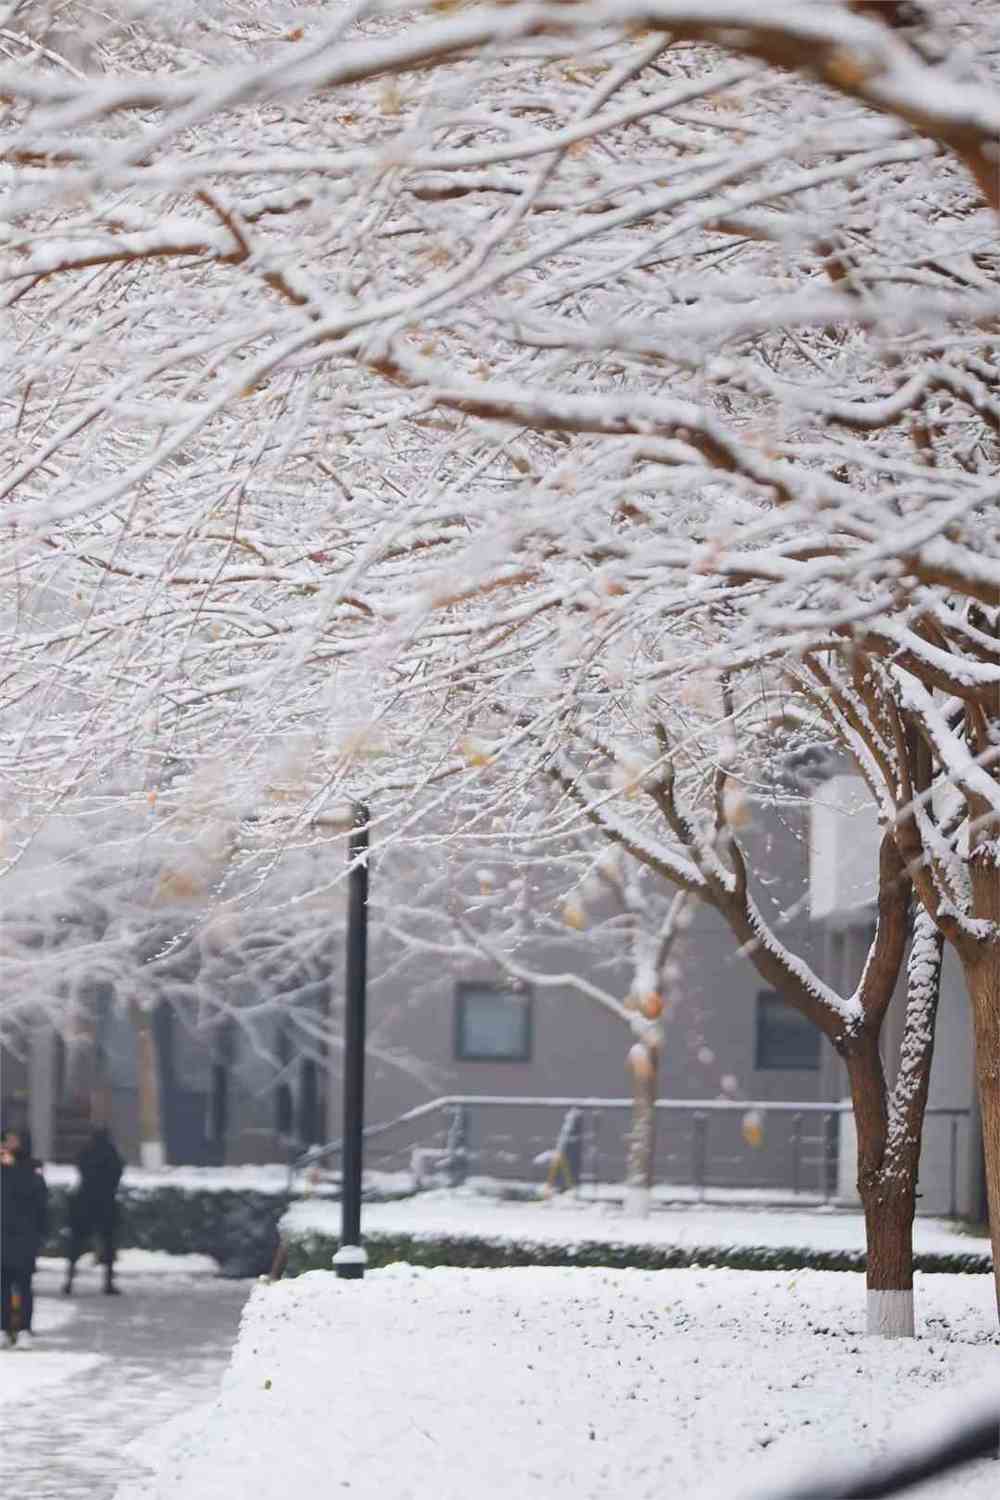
(229, 1213)
(238, 1229)
(312, 1251)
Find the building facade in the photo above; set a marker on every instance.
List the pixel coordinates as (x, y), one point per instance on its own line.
(266, 1084)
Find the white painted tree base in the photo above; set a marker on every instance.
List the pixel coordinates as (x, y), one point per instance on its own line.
(890, 1315)
(152, 1155)
(637, 1201)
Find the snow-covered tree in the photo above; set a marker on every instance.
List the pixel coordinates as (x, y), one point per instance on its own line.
(663, 823)
(574, 915)
(139, 920)
(460, 387)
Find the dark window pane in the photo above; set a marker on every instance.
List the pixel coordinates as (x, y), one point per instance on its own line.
(785, 1039)
(492, 1024)
(310, 1128)
(283, 1109)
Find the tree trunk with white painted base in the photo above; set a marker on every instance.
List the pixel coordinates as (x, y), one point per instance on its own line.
(888, 1225)
(889, 1232)
(983, 979)
(890, 1132)
(979, 949)
(643, 1060)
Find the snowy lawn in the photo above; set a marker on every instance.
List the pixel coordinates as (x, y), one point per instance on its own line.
(566, 1383)
(568, 1220)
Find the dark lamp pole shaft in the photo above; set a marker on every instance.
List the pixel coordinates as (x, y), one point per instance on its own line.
(350, 1260)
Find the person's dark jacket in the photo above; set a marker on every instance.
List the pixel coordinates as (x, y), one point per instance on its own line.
(100, 1168)
(24, 1213)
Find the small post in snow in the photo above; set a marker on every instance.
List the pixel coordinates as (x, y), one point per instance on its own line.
(350, 1260)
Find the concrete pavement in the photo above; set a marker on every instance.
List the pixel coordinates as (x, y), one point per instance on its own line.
(109, 1370)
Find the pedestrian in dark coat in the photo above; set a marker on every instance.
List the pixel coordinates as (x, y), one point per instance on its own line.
(24, 1202)
(93, 1206)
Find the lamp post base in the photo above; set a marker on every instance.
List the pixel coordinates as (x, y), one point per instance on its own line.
(350, 1261)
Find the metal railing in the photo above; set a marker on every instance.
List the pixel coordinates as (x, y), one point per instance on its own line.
(705, 1152)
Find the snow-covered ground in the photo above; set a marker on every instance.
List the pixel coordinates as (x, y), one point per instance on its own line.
(566, 1220)
(565, 1384)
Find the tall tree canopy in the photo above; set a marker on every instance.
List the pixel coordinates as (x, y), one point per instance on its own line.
(393, 397)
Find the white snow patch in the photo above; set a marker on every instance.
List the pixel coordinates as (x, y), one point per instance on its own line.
(271, 1177)
(569, 1221)
(252, 1179)
(140, 1263)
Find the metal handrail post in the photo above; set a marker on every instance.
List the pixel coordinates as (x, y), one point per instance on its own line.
(457, 1146)
(797, 1153)
(699, 1151)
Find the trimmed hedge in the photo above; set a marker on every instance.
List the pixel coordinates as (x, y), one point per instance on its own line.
(315, 1253)
(238, 1229)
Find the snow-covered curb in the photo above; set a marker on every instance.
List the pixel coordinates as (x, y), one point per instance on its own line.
(261, 1179)
(565, 1385)
(270, 1178)
(132, 1262)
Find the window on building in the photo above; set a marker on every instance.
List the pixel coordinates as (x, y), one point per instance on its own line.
(492, 1024)
(785, 1039)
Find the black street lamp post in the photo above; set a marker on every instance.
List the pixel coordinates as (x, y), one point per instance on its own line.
(350, 1260)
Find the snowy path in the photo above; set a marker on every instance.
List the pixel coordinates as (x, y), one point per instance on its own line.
(103, 1371)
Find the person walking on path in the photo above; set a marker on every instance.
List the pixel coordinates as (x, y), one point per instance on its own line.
(24, 1202)
(93, 1206)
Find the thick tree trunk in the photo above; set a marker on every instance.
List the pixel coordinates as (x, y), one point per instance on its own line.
(981, 962)
(644, 1068)
(152, 1146)
(80, 1058)
(889, 1234)
(888, 1202)
(983, 979)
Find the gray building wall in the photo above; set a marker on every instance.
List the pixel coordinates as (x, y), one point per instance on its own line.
(579, 1049)
(240, 1094)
